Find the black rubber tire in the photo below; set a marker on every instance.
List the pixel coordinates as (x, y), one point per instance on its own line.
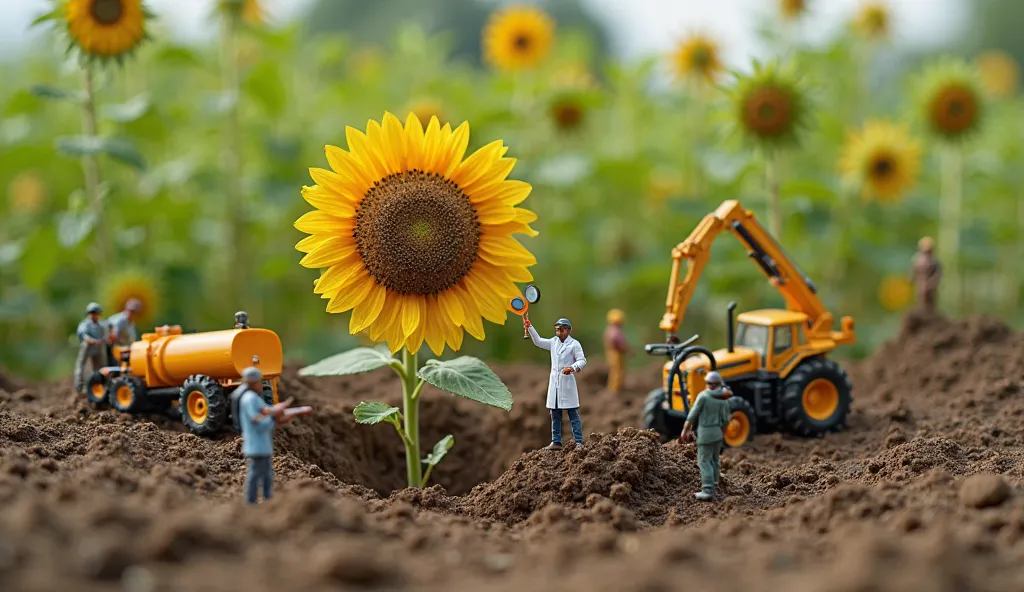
(138, 402)
(792, 407)
(655, 418)
(94, 379)
(744, 406)
(216, 405)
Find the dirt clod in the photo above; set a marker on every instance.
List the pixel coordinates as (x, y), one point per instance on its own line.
(985, 490)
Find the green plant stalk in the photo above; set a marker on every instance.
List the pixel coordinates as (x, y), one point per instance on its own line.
(771, 177)
(412, 385)
(236, 215)
(950, 223)
(91, 169)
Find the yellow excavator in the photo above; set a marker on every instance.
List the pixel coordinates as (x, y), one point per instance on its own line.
(776, 361)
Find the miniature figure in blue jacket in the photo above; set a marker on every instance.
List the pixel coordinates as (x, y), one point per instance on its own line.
(257, 421)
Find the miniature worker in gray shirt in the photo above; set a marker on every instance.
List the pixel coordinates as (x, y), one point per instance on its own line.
(91, 335)
(122, 324)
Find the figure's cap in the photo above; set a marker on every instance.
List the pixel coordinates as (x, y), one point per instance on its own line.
(133, 304)
(713, 378)
(93, 307)
(926, 243)
(564, 322)
(252, 374)
(241, 315)
(616, 316)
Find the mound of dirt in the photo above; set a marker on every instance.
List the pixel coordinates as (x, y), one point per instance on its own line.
(923, 490)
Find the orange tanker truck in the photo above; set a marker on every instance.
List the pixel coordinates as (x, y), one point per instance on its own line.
(193, 373)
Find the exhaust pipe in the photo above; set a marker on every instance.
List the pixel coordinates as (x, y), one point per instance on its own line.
(731, 307)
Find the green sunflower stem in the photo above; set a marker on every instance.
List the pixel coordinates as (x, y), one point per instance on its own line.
(412, 385)
(91, 169)
(950, 223)
(771, 177)
(237, 275)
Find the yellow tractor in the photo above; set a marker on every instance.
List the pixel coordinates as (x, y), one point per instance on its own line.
(776, 360)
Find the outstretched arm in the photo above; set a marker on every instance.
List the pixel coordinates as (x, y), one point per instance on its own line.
(538, 340)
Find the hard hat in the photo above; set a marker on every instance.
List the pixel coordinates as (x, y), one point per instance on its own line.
(563, 322)
(616, 316)
(93, 307)
(713, 378)
(133, 304)
(252, 374)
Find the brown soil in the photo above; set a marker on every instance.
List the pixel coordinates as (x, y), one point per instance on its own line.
(921, 492)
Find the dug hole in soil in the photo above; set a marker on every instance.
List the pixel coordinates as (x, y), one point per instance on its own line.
(921, 492)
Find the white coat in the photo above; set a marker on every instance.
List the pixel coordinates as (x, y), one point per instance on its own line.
(562, 393)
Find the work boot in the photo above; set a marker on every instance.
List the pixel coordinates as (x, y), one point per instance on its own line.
(705, 495)
(553, 446)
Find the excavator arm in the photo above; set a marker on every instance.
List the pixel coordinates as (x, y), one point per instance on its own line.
(798, 291)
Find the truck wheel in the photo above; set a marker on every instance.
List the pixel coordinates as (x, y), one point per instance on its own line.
(204, 407)
(741, 422)
(816, 398)
(96, 390)
(127, 394)
(655, 418)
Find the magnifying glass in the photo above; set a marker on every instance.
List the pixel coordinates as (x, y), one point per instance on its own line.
(531, 295)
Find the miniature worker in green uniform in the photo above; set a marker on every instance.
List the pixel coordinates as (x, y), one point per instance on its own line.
(91, 334)
(711, 413)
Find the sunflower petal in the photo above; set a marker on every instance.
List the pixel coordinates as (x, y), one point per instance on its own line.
(504, 250)
(435, 333)
(518, 274)
(471, 321)
(394, 335)
(353, 295)
(348, 167)
(333, 250)
(492, 180)
(410, 315)
(414, 141)
(326, 195)
(310, 242)
(477, 165)
(511, 228)
(317, 222)
(453, 335)
(488, 302)
(512, 192)
(381, 152)
(525, 216)
(396, 151)
(456, 148)
(360, 147)
(452, 307)
(387, 316)
(415, 340)
(494, 212)
(432, 145)
(338, 276)
(369, 310)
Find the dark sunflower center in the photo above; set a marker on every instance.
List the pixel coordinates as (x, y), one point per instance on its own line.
(767, 112)
(417, 232)
(701, 58)
(522, 41)
(567, 114)
(882, 167)
(954, 110)
(107, 12)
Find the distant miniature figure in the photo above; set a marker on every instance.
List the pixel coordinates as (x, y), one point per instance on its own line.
(615, 348)
(241, 320)
(566, 359)
(257, 421)
(91, 336)
(926, 274)
(121, 325)
(710, 413)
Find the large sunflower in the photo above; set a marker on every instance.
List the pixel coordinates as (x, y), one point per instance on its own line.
(883, 160)
(518, 37)
(999, 73)
(416, 240)
(697, 57)
(105, 28)
(950, 97)
(121, 287)
(873, 20)
(770, 106)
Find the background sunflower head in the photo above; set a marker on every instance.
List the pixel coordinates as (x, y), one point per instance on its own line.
(426, 108)
(950, 99)
(248, 11)
(895, 292)
(792, 9)
(518, 37)
(697, 58)
(122, 286)
(770, 106)
(999, 73)
(416, 239)
(102, 29)
(883, 160)
(874, 20)
(26, 193)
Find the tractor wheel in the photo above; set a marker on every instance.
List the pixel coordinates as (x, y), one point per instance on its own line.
(741, 423)
(96, 390)
(655, 417)
(816, 398)
(204, 407)
(127, 394)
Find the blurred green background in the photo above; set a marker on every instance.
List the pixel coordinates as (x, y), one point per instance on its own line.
(613, 194)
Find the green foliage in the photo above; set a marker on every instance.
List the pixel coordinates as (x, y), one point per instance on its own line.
(355, 361)
(468, 377)
(376, 412)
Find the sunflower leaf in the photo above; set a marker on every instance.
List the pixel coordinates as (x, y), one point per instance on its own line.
(78, 146)
(50, 92)
(440, 449)
(468, 377)
(73, 227)
(130, 110)
(124, 150)
(375, 412)
(354, 361)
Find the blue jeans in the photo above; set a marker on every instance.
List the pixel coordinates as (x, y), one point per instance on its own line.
(261, 471)
(574, 420)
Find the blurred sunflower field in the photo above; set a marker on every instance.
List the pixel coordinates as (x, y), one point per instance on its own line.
(135, 166)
